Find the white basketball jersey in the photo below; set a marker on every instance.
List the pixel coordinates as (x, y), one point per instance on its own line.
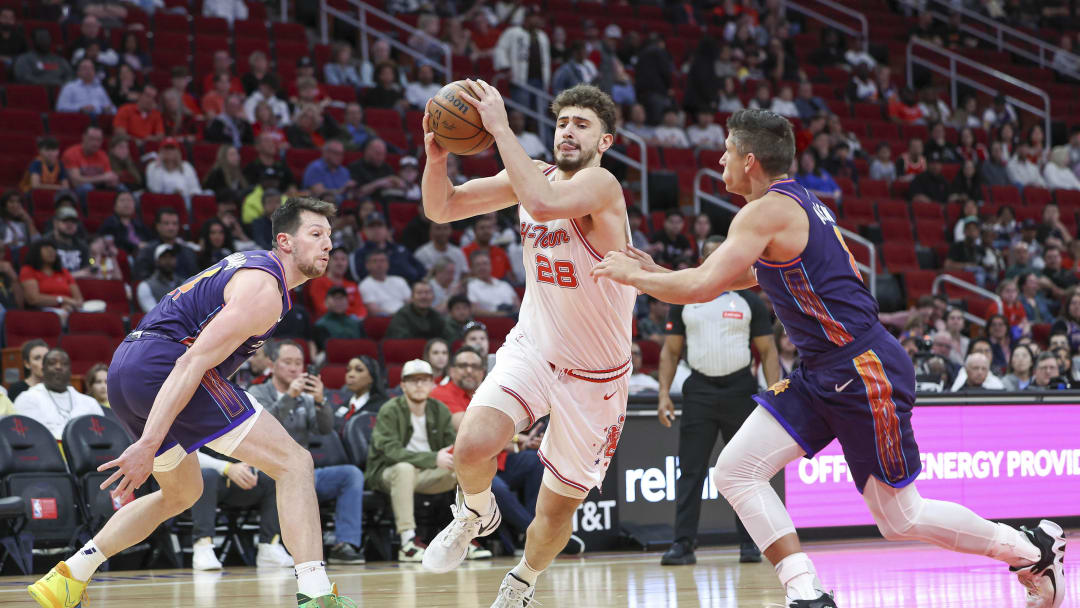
(577, 323)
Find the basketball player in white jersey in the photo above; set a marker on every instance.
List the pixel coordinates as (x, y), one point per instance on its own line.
(569, 354)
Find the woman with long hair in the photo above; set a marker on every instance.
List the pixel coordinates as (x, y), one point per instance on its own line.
(97, 383)
(364, 390)
(104, 262)
(215, 243)
(1011, 307)
(955, 324)
(123, 88)
(969, 148)
(437, 354)
(997, 332)
(1020, 367)
(122, 164)
(267, 122)
(16, 226)
(132, 53)
(1038, 153)
(701, 229)
(967, 185)
(178, 121)
(46, 284)
(1069, 321)
(226, 177)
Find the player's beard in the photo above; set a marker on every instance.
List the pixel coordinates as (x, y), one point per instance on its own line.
(585, 157)
(311, 269)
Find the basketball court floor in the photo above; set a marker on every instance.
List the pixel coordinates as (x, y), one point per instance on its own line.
(865, 574)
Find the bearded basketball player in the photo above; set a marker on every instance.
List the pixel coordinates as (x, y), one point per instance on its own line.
(855, 383)
(569, 354)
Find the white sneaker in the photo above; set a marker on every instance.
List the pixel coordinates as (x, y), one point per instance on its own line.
(203, 557)
(1045, 579)
(450, 546)
(411, 550)
(273, 555)
(515, 593)
(477, 551)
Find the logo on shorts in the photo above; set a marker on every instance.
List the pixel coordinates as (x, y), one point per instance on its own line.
(840, 387)
(780, 386)
(611, 439)
(606, 397)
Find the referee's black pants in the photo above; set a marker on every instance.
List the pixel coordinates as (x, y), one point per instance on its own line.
(711, 406)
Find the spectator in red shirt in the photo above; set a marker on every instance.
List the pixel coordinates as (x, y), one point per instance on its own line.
(466, 370)
(45, 283)
(335, 277)
(484, 231)
(181, 80)
(87, 164)
(141, 120)
(905, 109)
(213, 101)
(223, 65)
(1012, 308)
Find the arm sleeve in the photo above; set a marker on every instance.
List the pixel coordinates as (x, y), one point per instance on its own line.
(675, 325)
(760, 321)
(65, 102)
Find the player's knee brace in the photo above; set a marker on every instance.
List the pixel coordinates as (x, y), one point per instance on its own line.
(733, 476)
(897, 512)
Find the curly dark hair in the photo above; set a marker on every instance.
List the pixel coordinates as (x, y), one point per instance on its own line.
(34, 258)
(590, 97)
(766, 135)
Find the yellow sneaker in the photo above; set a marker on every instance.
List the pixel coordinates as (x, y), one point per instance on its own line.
(58, 589)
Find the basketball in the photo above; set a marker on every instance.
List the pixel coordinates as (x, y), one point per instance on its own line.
(455, 123)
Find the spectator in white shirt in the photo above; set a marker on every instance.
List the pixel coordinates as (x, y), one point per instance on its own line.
(489, 295)
(1022, 171)
(267, 92)
(532, 143)
(85, 93)
(230, 10)
(1064, 60)
(670, 134)
(1057, 173)
(438, 247)
(882, 166)
(856, 55)
(382, 293)
(53, 401)
(171, 174)
(636, 124)
(784, 103)
(418, 92)
(705, 134)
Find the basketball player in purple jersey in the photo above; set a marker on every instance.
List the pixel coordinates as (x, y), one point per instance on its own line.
(168, 384)
(855, 382)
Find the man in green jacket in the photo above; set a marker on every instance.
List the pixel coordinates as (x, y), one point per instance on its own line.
(418, 319)
(410, 451)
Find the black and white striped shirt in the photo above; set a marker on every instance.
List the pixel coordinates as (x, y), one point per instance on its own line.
(718, 333)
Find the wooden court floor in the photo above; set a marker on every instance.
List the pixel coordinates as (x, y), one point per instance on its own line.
(869, 574)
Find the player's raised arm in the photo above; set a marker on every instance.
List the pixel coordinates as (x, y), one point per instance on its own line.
(444, 202)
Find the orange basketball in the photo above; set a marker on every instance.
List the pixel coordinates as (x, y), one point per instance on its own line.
(455, 123)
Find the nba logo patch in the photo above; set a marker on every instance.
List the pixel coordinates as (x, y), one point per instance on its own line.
(43, 508)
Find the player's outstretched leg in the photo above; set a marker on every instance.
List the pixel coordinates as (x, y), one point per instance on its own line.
(484, 433)
(65, 585)
(1036, 555)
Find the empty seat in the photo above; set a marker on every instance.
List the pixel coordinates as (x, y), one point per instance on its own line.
(340, 351)
(1005, 195)
(892, 209)
(26, 121)
(88, 350)
(23, 325)
(900, 257)
(400, 351)
(877, 188)
(97, 323)
(151, 202)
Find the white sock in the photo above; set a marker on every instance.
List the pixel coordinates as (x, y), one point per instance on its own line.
(204, 541)
(525, 572)
(407, 535)
(798, 577)
(85, 562)
(479, 502)
(1013, 547)
(311, 579)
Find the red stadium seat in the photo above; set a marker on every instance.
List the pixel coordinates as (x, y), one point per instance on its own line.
(930, 232)
(333, 376)
(892, 209)
(497, 327)
(288, 31)
(23, 325)
(375, 327)
(393, 375)
(250, 28)
(1005, 195)
(679, 158)
(928, 211)
(86, 351)
(876, 188)
(340, 351)
(97, 323)
(113, 292)
(1037, 196)
(896, 230)
(650, 353)
(67, 124)
(918, 283)
(900, 257)
(151, 202)
(400, 351)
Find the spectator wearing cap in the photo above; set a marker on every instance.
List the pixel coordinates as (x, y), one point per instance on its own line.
(141, 120)
(490, 295)
(326, 177)
(267, 93)
(409, 188)
(384, 294)
(335, 276)
(377, 238)
(46, 284)
(231, 126)
(87, 164)
(164, 279)
(171, 174)
(71, 246)
(930, 185)
(338, 322)
(167, 228)
(223, 63)
(40, 65)
(418, 319)
(410, 451)
(46, 171)
(85, 93)
(305, 71)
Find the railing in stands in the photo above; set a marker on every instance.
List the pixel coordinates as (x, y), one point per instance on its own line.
(955, 59)
(359, 21)
(542, 98)
(700, 195)
(816, 13)
(973, 288)
(1000, 36)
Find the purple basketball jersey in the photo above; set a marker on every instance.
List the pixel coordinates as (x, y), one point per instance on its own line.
(819, 296)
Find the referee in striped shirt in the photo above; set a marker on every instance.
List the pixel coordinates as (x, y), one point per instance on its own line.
(716, 397)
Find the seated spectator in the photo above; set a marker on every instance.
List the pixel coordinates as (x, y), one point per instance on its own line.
(490, 295)
(97, 387)
(103, 260)
(1052, 226)
(475, 335)
(1011, 307)
(53, 401)
(530, 141)
(262, 228)
(124, 87)
(228, 212)
(784, 103)
(1057, 173)
(67, 236)
(341, 69)
(419, 91)
(978, 369)
(651, 326)
(1001, 338)
(1057, 280)
(87, 164)
(124, 227)
(91, 35)
(417, 319)
(410, 451)
(438, 247)
(387, 92)
(466, 371)
(671, 244)
(12, 39)
(141, 120)
(364, 391)
(338, 322)
(40, 65)
(999, 113)
(1047, 374)
(1068, 323)
(636, 124)
(969, 149)
(230, 10)
(372, 173)
(816, 179)
(704, 134)
(994, 171)
(167, 230)
(437, 355)
(326, 178)
(938, 144)
(215, 243)
(357, 132)
(266, 122)
(33, 354)
(808, 104)
(640, 382)
(266, 149)
(85, 93)
(383, 294)
(304, 133)
(298, 401)
(904, 109)
(670, 133)
(379, 53)
(228, 483)
(171, 174)
(966, 255)
(222, 65)
(882, 165)
(862, 87)
(458, 314)
(573, 71)
(967, 185)
(912, 162)
(46, 172)
(1021, 364)
(226, 178)
(131, 52)
(319, 287)
(1036, 307)
(16, 226)
(377, 238)
(164, 279)
(267, 93)
(213, 100)
(839, 163)
(930, 185)
(258, 71)
(128, 174)
(1022, 171)
(177, 120)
